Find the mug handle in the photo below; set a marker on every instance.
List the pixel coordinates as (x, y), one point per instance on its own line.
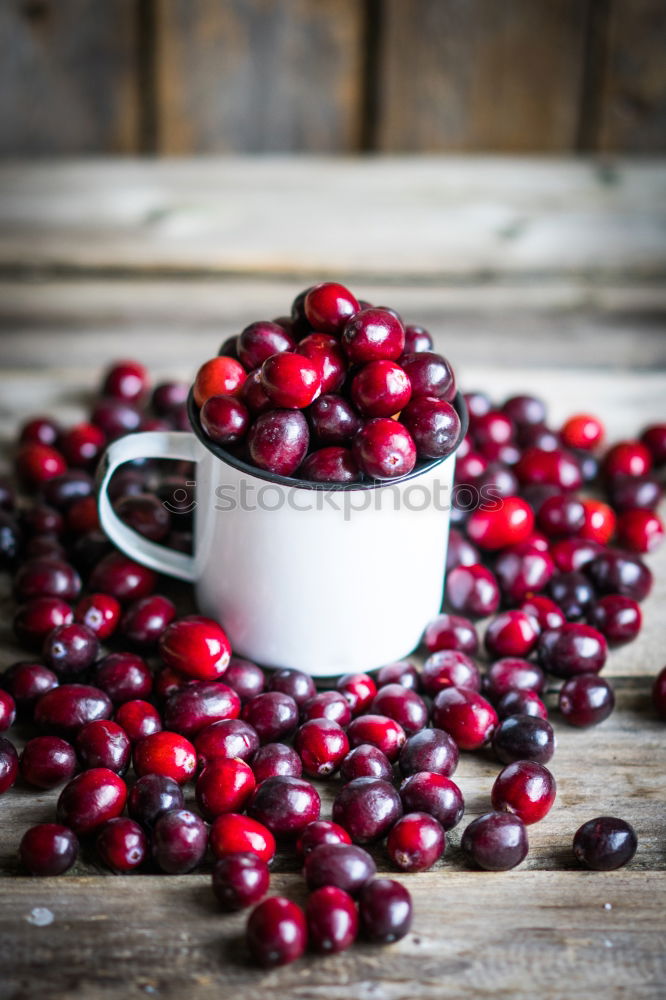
(149, 444)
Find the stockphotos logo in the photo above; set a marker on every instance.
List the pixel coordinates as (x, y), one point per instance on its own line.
(415, 497)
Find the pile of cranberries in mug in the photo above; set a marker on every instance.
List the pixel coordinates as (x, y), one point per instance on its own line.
(124, 700)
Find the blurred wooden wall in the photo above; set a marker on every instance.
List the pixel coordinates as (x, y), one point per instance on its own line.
(331, 76)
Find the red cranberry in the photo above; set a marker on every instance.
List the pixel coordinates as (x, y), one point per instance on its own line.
(525, 410)
(511, 673)
(278, 441)
(199, 704)
(46, 578)
(275, 759)
(640, 530)
(470, 468)
(605, 843)
(276, 932)
(521, 702)
(499, 479)
(343, 865)
(26, 682)
(122, 578)
(68, 708)
(659, 693)
(619, 572)
(582, 431)
(327, 705)
(526, 789)
(380, 389)
(165, 753)
(417, 339)
(232, 833)
(555, 468)
(82, 445)
(618, 618)
(477, 404)
(253, 395)
(627, 458)
(561, 516)
(39, 430)
(36, 463)
(586, 700)
(169, 396)
(91, 799)
(600, 522)
(9, 764)
(82, 517)
(416, 842)
(332, 920)
(430, 375)
(167, 681)
(492, 428)
(405, 707)
(333, 420)
(380, 731)
(385, 910)
(104, 744)
(523, 570)
(122, 844)
(465, 715)
(524, 737)
(384, 449)
(572, 649)
(509, 524)
(196, 646)
(496, 841)
(285, 805)
(224, 786)
(451, 632)
(322, 831)
(220, 376)
(179, 841)
(330, 465)
(100, 613)
(294, 683)
(367, 808)
(321, 745)
(70, 649)
(115, 417)
(511, 633)
(273, 714)
(291, 381)
(245, 678)
(48, 849)
(124, 677)
(325, 353)
(240, 880)
(544, 611)
(373, 335)
(366, 761)
(7, 711)
(328, 306)
(138, 718)
(126, 380)
(260, 341)
(151, 797)
(449, 668)
(654, 439)
(472, 591)
(359, 690)
(224, 419)
(434, 794)
(228, 738)
(429, 750)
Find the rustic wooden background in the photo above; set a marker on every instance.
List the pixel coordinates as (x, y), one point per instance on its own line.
(341, 76)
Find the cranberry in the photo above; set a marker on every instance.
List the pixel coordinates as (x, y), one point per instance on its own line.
(240, 880)
(294, 683)
(165, 753)
(544, 611)
(449, 668)
(42, 520)
(328, 306)
(285, 805)
(46, 578)
(659, 694)
(571, 554)
(378, 730)
(599, 523)
(330, 465)
(221, 376)
(342, 865)
(321, 745)
(39, 430)
(91, 799)
(521, 702)
(380, 389)
(196, 646)
(115, 417)
(627, 458)
(586, 700)
(44, 547)
(122, 844)
(179, 841)
(70, 649)
(245, 678)
(373, 335)
(232, 833)
(7, 494)
(511, 633)
(227, 738)
(224, 786)
(640, 530)
(366, 761)
(572, 649)
(434, 794)
(367, 808)
(430, 375)
(582, 431)
(167, 681)
(605, 843)
(138, 718)
(122, 578)
(82, 445)
(48, 849)
(9, 764)
(36, 463)
(524, 737)
(509, 524)
(145, 514)
(275, 759)
(385, 910)
(7, 711)
(126, 380)
(124, 677)
(525, 410)
(492, 428)
(276, 932)
(199, 704)
(333, 421)
(429, 750)
(417, 338)
(100, 613)
(561, 516)
(332, 920)
(151, 797)
(326, 354)
(470, 468)
(572, 592)
(477, 403)
(618, 618)
(636, 493)
(278, 441)
(327, 705)
(465, 715)
(88, 550)
(654, 438)
(253, 395)
(619, 572)
(526, 789)
(224, 419)
(496, 841)
(384, 449)
(273, 714)
(291, 381)
(104, 744)
(553, 467)
(26, 682)
(260, 341)
(405, 707)
(359, 690)
(451, 632)
(472, 591)
(68, 708)
(401, 672)
(499, 479)
(416, 842)
(322, 831)
(169, 396)
(512, 673)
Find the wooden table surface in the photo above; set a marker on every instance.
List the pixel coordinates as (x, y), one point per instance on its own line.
(545, 276)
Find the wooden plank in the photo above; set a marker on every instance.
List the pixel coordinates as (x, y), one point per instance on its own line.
(427, 221)
(264, 75)
(68, 77)
(480, 75)
(633, 109)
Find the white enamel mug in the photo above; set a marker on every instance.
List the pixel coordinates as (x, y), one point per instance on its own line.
(323, 579)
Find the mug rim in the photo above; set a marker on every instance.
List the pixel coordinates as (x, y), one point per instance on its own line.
(307, 484)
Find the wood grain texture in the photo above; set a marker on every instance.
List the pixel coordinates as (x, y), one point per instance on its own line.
(68, 77)
(258, 75)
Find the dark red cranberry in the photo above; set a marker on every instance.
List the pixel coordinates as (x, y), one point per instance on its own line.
(472, 591)
(260, 341)
(327, 705)
(465, 715)
(41, 519)
(430, 375)
(605, 843)
(26, 682)
(627, 458)
(523, 570)
(240, 880)
(82, 517)
(635, 493)
(373, 335)
(197, 705)
(572, 649)
(70, 649)
(429, 750)
(526, 789)
(521, 702)
(561, 516)
(618, 618)
(274, 759)
(224, 786)
(511, 633)
(167, 681)
(508, 524)
(9, 764)
(165, 753)
(291, 381)
(384, 449)
(544, 611)
(138, 718)
(245, 678)
(321, 745)
(416, 842)
(640, 530)
(44, 547)
(294, 683)
(232, 833)
(196, 646)
(48, 849)
(477, 403)
(401, 672)
(285, 805)
(7, 711)
(499, 479)
(328, 307)
(586, 700)
(168, 396)
(380, 731)
(98, 612)
(122, 578)
(39, 430)
(88, 550)
(470, 469)
(278, 441)
(7, 494)
(104, 743)
(82, 445)
(37, 463)
(179, 841)
(525, 410)
(322, 831)
(146, 515)
(385, 911)
(224, 419)
(451, 632)
(126, 380)
(496, 841)
(512, 673)
(572, 592)
(325, 353)
(433, 424)
(524, 737)
(449, 668)
(124, 677)
(654, 439)
(91, 799)
(417, 338)
(618, 572)
(330, 465)
(333, 420)
(332, 920)
(273, 714)
(115, 417)
(359, 690)
(342, 865)
(127, 481)
(366, 761)
(227, 738)
(367, 808)
(122, 844)
(151, 797)
(47, 578)
(68, 708)
(434, 794)
(659, 694)
(492, 428)
(253, 394)
(276, 932)
(405, 707)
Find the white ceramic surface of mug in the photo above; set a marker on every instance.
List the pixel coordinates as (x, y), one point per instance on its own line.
(321, 579)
